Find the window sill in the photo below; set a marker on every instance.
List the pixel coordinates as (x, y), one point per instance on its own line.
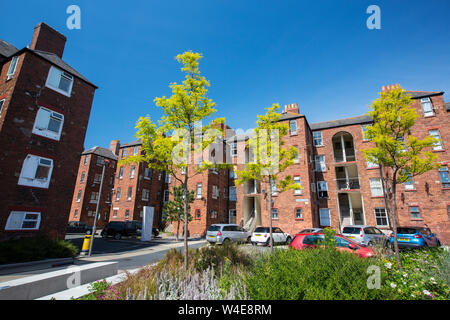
(441, 150)
(410, 190)
(377, 197)
(59, 90)
(416, 219)
(372, 168)
(299, 219)
(445, 188)
(319, 146)
(430, 116)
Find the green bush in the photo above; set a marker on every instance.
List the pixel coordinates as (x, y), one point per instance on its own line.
(319, 274)
(33, 249)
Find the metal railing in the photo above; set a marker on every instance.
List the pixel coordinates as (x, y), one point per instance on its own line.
(348, 184)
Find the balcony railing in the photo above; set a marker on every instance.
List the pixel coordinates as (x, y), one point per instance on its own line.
(348, 184)
(349, 155)
(253, 188)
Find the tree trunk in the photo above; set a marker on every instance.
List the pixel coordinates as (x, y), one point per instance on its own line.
(178, 229)
(185, 225)
(393, 217)
(270, 214)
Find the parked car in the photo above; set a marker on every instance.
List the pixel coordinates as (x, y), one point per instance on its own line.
(226, 233)
(312, 240)
(78, 227)
(365, 235)
(311, 230)
(415, 237)
(261, 235)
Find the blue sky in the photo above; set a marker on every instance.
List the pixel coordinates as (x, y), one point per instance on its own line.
(319, 54)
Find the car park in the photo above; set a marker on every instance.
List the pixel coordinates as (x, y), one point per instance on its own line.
(261, 235)
(78, 227)
(313, 240)
(364, 235)
(226, 233)
(415, 237)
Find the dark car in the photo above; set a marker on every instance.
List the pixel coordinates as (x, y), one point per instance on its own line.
(119, 229)
(415, 237)
(78, 227)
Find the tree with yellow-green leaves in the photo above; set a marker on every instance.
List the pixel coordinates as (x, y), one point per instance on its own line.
(270, 158)
(175, 145)
(400, 154)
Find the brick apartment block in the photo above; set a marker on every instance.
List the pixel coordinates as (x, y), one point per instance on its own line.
(87, 189)
(44, 111)
(339, 187)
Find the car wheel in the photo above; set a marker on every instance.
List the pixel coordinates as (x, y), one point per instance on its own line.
(268, 242)
(288, 240)
(249, 239)
(117, 236)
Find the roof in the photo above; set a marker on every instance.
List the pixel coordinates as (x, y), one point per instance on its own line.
(106, 153)
(290, 115)
(423, 94)
(8, 50)
(134, 143)
(340, 122)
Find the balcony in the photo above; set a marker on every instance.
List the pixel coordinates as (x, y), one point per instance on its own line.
(348, 184)
(252, 187)
(343, 147)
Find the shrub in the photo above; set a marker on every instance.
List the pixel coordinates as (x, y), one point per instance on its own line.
(32, 249)
(323, 273)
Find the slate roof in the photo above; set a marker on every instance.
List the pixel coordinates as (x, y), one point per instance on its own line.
(289, 115)
(7, 49)
(423, 94)
(340, 122)
(106, 153)
(134, 143)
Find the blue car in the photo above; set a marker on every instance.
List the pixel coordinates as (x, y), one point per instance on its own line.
(415, 237)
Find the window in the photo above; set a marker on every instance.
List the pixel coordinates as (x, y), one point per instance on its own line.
(86, 158)
(19, 220)
(2, 102)
(435, 134)
(273, 188)
(371, 165)
(124, 152)
(159, 176)
(274, 213)
(233, 195)
(75, 214)
(94, 197)
(364, 132)
(197, 214)
(414, 212)
(168, 178)
(427, 107)
(213, 214)
(298, 213)
(293, 127)
(320, 163)
(317, 138)
(79, 196)
(232, 174)
(100, 161)
(409, 185)
(118, 194)
(297, 155)
(59, 81)
(127, 214)
(148, 173)
(145, 194)
(225, 194)
(234, 149)
(199, 190)
(298, 181)
(48, 123)
(183, 170)
(322, 187)
(381, 217)
(97, 178)
(445, 180)
(12, 67)
(130, 192)
(376, 187)
(36, 172)
(83, 175)
(324, 215)
(135, 150)
(166, 195)
(115, 212)
(121, 173)
(215, 192)
(158, 195)
(133, 169)
(313, 187)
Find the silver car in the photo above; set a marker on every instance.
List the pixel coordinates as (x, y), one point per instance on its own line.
(365, 235)
(225, 233)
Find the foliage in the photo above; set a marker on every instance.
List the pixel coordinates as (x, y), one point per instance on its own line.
(323, 273)
(424, 275)
(174, 209)
(97, 290)
(35, 248)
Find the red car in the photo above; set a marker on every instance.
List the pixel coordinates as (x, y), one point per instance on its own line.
(309, 240)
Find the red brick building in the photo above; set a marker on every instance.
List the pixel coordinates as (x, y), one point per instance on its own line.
(339, 187)
(44, 112)
(87, 189)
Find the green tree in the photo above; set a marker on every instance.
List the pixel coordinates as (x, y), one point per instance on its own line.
(270, 158)
(400, 154)
(176, 144)
(174, 209)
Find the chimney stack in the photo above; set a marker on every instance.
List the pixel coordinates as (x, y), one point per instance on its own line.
(292, 108)
(48, 39)
(114, 147)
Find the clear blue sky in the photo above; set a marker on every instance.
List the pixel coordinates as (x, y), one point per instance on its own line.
(318, 54)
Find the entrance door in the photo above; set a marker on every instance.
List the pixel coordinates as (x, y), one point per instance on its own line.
(232, 216)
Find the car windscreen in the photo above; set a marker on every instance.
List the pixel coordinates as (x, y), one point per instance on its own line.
(312, 240)
(214, 228)
(262, 230)
(351, 230)
(406, 230)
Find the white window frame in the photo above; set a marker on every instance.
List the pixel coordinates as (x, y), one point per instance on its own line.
(232, 194)
(409, 185)
(29, 169)
(166, 195)
(363, 130)
(124, 152)
(132, 172)
(145, 194)
(14, 62)
(316, 138)
(148, 174)
(118, 194)
(130, 193)
(436, 134)
(298, 180)
(79, 195)
(275, 210)
(199, 188)
(297, 155)
(83, 177)
(16, 218)
(2, 103)
(371, 165)
(215, 192)
(121, 172)
(86, 158)
(54, 73)
(415, 212)
(42, 122)
(97, 178)
(320, 189)
(321, 217)
(168, 178)
(444, 184)
(376, 184)
(381, 217)
(427, 101)
(234, 149)
(291, 131)
(94, 197)
(320, 165)
(135, 150)
(301, 213)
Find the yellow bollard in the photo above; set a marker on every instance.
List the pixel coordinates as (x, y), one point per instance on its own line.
(86, 245)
